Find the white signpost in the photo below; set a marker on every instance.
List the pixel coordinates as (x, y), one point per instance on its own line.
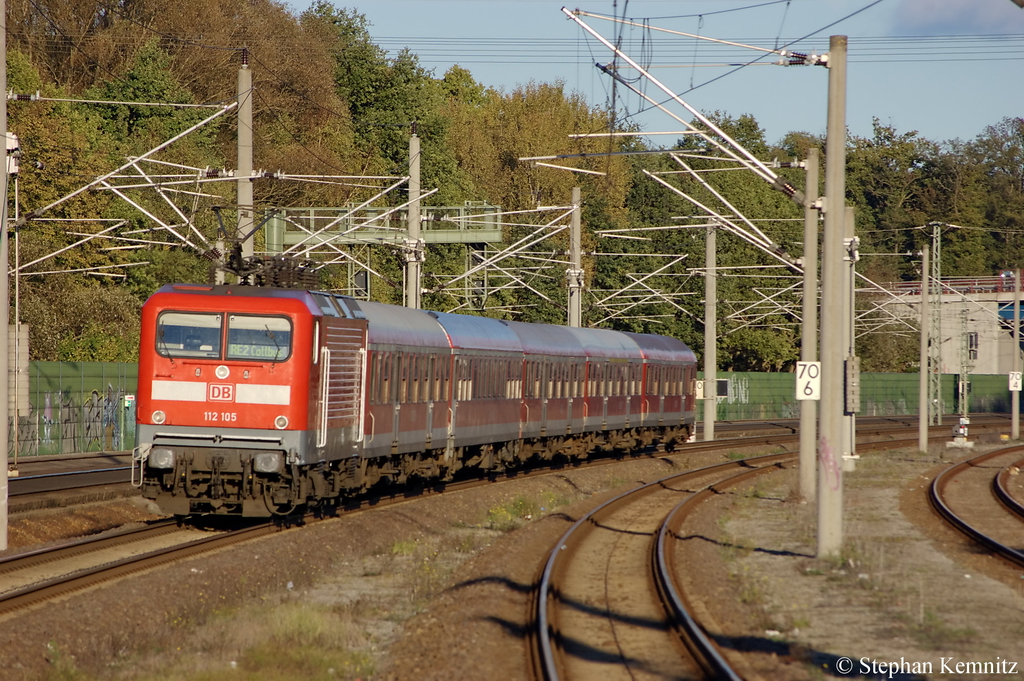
(808, 380)
(1015, 381)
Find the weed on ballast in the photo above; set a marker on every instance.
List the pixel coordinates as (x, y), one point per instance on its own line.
(511, 515)
(933, 633)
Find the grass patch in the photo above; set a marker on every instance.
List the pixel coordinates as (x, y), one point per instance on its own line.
(297, 662)
(513, 514)
(614, 482)
(62, 666)
(934, 633)
(404, 547)
(290, 642)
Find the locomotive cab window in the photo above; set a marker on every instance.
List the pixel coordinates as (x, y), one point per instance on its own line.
(188, 334)
(259, 338)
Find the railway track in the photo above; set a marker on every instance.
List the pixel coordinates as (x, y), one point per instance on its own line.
(35, 576)
(609, 603)
(992, 518)
(54, 571)
(64, 571)
(595, 616)
(52, 482)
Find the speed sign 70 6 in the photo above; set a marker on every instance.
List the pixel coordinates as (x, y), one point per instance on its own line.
(808, 380)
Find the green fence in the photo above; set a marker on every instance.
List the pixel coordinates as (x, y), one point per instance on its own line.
(76, 407)
(773, 395)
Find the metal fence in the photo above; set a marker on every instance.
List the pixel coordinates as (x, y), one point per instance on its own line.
(75, 407)
(773, 395)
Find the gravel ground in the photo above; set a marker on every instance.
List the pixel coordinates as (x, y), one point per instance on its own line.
(437, 587)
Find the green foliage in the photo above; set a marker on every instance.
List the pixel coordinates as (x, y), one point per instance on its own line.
(149, 79)
(344, 106)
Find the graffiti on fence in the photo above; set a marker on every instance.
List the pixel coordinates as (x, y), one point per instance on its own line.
(68, 422)
(739, 390)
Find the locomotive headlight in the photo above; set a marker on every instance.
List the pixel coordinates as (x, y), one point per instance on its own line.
(268, 462)
(159, 417)
(281, 422)
(161, 458)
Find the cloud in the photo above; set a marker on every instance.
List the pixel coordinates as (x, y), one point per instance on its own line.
(959, 17)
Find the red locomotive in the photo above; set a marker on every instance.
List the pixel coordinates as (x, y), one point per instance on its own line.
(261, 401)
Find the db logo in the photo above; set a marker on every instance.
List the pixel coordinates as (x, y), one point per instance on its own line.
(222, 392)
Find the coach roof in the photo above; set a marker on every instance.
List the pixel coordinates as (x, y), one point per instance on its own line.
(607, 343)
(547, 339)
(663, 348)
(391, 325)
(478, 333)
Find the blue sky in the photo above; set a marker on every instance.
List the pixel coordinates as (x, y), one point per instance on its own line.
(944, 68)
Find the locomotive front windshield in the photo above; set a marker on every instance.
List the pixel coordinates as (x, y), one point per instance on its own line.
(257, 337)
(200, 335)
(189, 334)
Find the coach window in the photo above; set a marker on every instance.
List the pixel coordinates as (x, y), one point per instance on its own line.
(446, 369)
(422, 365)
(403, 378)
(430, 389)
(488, 371)
(385, 379)
(414, 378)
(487, 367)
(424, 378)
(188, 334)
(481, 377)
(259, 338)
(374, 378)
